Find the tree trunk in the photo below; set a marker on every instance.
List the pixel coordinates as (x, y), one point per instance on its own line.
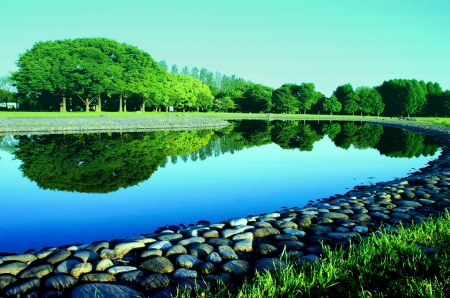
(70, 104)
(120, 103)
(62, 106)
(143, 106)
(87, 105)
(124, 104)
(99, 106)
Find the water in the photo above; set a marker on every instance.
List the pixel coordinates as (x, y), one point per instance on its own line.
(75, 189)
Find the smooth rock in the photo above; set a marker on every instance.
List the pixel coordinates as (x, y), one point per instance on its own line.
(237, 222)
(243, 246)
(269, 264)
(162, 245)
(341, 236)
(12, 268)
(190, 241)
(154, 281)
(97, 245)
(262, 224)
(81, 268)
(22, 288)
(59, 257)
(200, 250)
(86, 256)
(187, 261)
(109, 254)
(362, 217)
(98, 277)
(214, 257)
(130, 277)
(229, 232)
(304, 223)
(266, 249)
(24, 258)
(210, 234)
(379, 215)
(227, 253)
(236, 267)
(123, 248)
(158, 265)
(405, 203)
(264, 232)
(6, 280)
(60, 282)
(169, 237)
(175, 250)
(291, 245)
(38, 271)
(184, 273)
(66, 266)
(243, 236)
(361, 229)
(120, 269)
(104, 290)
(206, 268)
(294, 232)
(103, 265)
(45, 252)
(151, 253)
(218, 242)
(308, 259)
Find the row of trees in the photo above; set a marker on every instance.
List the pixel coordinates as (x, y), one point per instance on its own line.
(88, 73)
(101, 163)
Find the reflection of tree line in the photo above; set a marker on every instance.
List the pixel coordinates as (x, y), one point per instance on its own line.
(101, 163)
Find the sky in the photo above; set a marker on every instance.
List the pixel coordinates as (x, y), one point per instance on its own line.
(326, 42)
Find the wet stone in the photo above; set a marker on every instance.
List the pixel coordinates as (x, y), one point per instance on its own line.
(98, 277)
(401, 215)
(379, 215)
(154, 281)
(81, 268)
(151, 253)
(322, 221)
(243, 236)
(97, 245)
(341, 236)
(60, 282)
(266, 249)
(200, 250)
(129, 277)
(270, 265)
(219, 242)
(319, 229)
(315, 249)
(360, 229)
(291, 245)
(404, 203)
(104, 290)
(214, 257)
(169, 237)
(45, 252)
(109, 254)
(237, 222)
(24, 258)
(190, 241)
(6, 280)
(123, 248)
(262, 224)
(243, 246)
(227, 233)
(158, 265)
(211, 234)
(285, 237)
(361, 217)
(161, 245)
(294, 232)
(304, 223)
(187, 261)
(38, 271)
(308, 259)
(264, 232)
(120, 269)
(86, 256)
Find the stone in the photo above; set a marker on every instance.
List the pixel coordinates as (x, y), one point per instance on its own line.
(206, 268)
(361, 217)
(97, 245)
(200, 250)
(176, 250)
(285, 237)
(308, 259)
(169, 237)
(162, 245)
(264, 232)
(262, 224)
(24, 258)
(158, 265)
(38, 271)
(227, 253)
(58, 257)
(22, 288)
(272, 215)
(45, 252)
(98, 277)
(12, 268)
(66, 266)
(427, 250)
(6, 280)
(154, 281)
(322, 221)
(335, 215)
(426, 202)
(103, 265)
(151, 253)
(294, 232)
(130, 277)
(120, 269)
(229, 232)
(60, 282)
(405, 203)
(109, 254)
(86, 256)
(187, 261)
(291, 245)
(243, 236)
(237, 222)
(341, 236)
(123, 248)
(216, 279)
(342, 229)
(104, 290)
(184, 273)
(285, 224)
(210, 234)
(214, 257)
(219, 242)
(401, 215)
(379, 215)
(315, 249)
(190, 241)
(81, 268)
(314, 240)
(304, 223)
(269, 265)
(236, 267)
(243, 246)
(360, 229)
(266, 249)
(319, 229)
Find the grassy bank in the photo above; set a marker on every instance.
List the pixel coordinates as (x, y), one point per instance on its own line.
(411, 262)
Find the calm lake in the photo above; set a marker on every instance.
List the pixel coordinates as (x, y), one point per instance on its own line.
(79, 188)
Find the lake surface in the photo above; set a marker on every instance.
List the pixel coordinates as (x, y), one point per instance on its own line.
(75, 189)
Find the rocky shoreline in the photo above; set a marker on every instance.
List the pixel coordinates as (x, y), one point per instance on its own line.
(154, 264)
(105, 123)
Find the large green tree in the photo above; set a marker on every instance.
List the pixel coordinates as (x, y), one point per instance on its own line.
(370, 101)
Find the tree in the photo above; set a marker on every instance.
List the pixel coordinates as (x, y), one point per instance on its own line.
(185, 71)
(163, 65)
(283, 101)
(351, 103)
(174, 69)
(6, 89)
(370, 100)
(306, 95)
(332, 104)
(258, 98)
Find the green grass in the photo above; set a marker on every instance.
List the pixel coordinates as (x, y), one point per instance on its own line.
(383, 265)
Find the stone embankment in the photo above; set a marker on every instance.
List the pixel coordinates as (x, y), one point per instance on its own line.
(154, 264)
(52, 125)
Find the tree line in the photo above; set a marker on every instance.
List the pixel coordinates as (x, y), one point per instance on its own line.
(102, 74)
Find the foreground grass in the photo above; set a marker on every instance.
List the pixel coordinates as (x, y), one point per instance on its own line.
(383, 265)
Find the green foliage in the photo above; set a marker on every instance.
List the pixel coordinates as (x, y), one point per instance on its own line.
(256, 99)
(332, 105)
(370, 101)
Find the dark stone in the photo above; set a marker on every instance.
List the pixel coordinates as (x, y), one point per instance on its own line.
(154, 281)
(60, 282)
(100, 290)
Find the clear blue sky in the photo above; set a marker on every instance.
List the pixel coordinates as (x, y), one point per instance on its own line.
(326, 42)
